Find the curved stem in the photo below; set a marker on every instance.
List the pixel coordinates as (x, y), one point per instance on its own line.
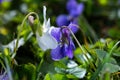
(76, 40)
(110, 53)
(83, 34)
(82, 49)
(22, 25)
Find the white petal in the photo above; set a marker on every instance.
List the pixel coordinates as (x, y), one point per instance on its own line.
(12, 44)
(46, 41)
(48, 23)
(46, 26)
(44, 13)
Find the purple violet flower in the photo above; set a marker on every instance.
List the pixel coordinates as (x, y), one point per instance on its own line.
(75, 10)
(66, 45)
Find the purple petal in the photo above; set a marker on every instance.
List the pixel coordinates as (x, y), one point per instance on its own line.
(69, 52)
(73, 27)
(4, 77)
(71, 4)
(75, 21)
(0, 1)
(70, 49)
(66, 32)
(62, 20)
(58, 53)
(55, 32)
(77, 11)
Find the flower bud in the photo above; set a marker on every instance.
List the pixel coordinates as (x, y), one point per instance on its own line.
(31, 20)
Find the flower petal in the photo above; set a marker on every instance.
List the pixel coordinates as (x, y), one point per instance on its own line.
(46, 23)
(12, 44)
(4, 77)
(69, 49)
(71, 4)
(57, 53)
(77, 11)
(46, 26)
(62, 20)
(55, 32)
(46, 41)
(44, 14)
(73, 27)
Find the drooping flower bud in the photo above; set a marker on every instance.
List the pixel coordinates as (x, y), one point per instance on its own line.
(33, 23)
(31, 20)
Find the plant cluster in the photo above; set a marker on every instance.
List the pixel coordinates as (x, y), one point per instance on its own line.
(41, 51)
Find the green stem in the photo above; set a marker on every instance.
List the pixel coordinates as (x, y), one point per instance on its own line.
(38, 68)
(8, 69)
(82, 49)
(103, 63)
(2, 64)
(22, 25)
(7, 66)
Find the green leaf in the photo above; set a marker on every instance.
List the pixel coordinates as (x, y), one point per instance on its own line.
(60, 70)
(101, 54)
(77, 71)
(39, 30)
(51, 76)
(72, 64)
(116, 54)
(109, 67)
(47, 67)
(27, 71)
(70, 76)
(47, 77)
(60, 77)
(62, 63)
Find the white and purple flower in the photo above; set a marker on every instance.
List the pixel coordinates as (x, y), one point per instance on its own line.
(66, 45)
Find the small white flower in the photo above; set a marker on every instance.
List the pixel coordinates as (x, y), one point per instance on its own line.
(46, 41)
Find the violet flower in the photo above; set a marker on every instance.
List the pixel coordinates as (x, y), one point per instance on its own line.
(75, 10)
(65, 47)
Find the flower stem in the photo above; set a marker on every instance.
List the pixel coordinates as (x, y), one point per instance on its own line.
(22, 25)
(38, 68)
(8, 69)
(7, 66)
(82, 49)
